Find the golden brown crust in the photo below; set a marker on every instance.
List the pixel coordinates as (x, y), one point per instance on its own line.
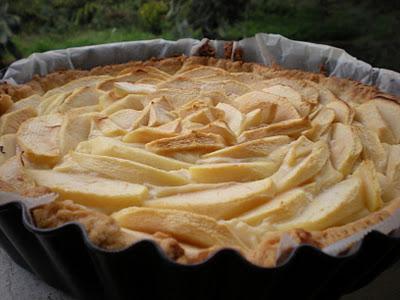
(102, 230)
(334, 234)
(5, 103)
(171, 247)
(207, 50)
(343, 88)
(228, 48)
(266, 253)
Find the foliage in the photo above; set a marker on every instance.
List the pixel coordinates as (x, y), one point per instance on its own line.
(9, 24)
(367, 29)
(31, 43)
(153, 14)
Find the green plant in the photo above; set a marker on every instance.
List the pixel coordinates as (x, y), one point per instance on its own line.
(153, 15)
(9, 24)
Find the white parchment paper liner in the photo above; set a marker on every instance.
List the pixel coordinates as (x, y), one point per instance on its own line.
(262, 48)
(29, 202)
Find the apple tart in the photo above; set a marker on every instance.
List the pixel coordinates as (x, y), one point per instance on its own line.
(200, 154)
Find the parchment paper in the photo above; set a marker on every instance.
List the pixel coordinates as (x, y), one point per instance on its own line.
(262, 48)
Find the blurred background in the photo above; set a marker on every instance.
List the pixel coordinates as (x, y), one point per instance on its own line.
(367, 29)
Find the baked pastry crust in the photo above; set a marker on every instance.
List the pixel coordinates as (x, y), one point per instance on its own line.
(104, 231)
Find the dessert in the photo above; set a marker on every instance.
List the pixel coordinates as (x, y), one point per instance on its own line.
(200, 154)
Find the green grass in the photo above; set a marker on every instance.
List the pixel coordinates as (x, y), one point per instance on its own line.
(28, 44)
(375, 45)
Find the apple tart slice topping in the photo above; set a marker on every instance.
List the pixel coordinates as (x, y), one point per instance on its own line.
(202, 158)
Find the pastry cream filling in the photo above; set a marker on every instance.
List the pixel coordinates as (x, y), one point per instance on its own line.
(205, 153)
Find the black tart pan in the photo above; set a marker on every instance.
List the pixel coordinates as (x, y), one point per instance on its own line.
(65, 259)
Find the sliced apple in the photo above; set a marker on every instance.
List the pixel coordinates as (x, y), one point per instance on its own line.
(7, 146)
(159, 115)
(253, 119)
(91, 109)
(135, 102)
(107, 99)
(10, 122)
(173, 126)
(131, 77)
(189, 126)
(110, 147)
(290, 127)
(150, 80)
(124, 88)
(328, 208)
(193, 106)
(74, 129)
(224, 202)
(51, 105)
(308, 92)
(188, 227)
(345, 147)
(247, 77)
(104, 194)
(87, 81)
(6, 103)
(39, 138)
(194, 141)
(372, 148)
(320, 123)
(232, 88)
(84, 96)
(233, 117)
(206, 115)
(147, 134)
(163, 191)
(125, 118)
(294, 97)
(254, 148)
(299, 149)
(180, 82)
(389, 111)
(293, 173)
(220, 128)
(393, 159)
(238, 172)
(13, 172)
(151, 72)
(325, 95)
(256, 99)
(68, 165)
(369, 115)
(327, 177)
(32, 101)
(127, 170)
(371, 190)
(283, 206)
(94, 131)
(391, 184)
(177, 97)
(344, 113)
(106, 126)
(204, 71)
